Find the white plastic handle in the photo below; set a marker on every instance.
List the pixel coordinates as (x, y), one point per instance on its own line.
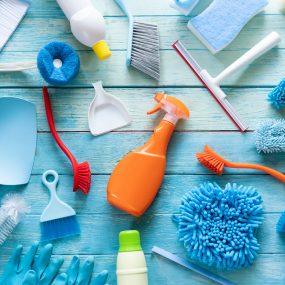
(258, 50)
(50, 185)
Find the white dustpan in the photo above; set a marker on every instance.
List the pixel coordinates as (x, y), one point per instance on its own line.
(106, 112)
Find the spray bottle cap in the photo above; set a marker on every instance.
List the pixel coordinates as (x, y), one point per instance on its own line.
(102, 50)
(170, 105)
(129, 241)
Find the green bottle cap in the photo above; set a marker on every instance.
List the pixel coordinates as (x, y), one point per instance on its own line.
(130, 241)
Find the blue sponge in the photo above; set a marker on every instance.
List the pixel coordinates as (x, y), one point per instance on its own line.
(58, 63)
(222, 21)
(217, 226)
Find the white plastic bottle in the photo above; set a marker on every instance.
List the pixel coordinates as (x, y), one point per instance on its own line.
(131, 264)
(87, 25)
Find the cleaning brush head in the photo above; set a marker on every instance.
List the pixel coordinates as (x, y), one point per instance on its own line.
(82, 181)
(277, 96)
(270, 136)
(211, 160)
(13, 210)
(217, 226)
(145, 49)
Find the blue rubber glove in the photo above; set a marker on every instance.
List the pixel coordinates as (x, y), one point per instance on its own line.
(42, 268)
(16, 268)
(83, 275)
(31, 279)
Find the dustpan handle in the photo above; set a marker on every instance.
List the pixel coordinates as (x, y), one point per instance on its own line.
(258, 50)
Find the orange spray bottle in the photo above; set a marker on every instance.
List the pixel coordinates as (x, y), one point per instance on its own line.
(136, 179)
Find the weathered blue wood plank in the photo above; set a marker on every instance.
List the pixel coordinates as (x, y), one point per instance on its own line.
(170, 29)
(167, 201)
(268, 70)
(155, 229)
(104, 152)
(266, 270)
(70, 107)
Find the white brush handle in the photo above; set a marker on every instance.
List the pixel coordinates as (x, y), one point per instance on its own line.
(17, 66)
(258, 50)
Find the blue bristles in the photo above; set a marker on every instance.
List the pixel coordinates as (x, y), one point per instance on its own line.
(277, 96)
(217, 226)
(280, 226)
(60, 228)
(270, 136)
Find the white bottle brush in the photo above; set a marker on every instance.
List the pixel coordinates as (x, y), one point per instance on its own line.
(12, 211)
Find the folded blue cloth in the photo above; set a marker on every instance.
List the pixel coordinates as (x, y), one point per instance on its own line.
(222, 21)
(184, 6)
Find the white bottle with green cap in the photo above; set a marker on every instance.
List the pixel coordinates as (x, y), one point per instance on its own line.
(131, 264)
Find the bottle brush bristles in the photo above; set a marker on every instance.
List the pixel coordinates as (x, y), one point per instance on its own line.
(217, 226)
(13, 210)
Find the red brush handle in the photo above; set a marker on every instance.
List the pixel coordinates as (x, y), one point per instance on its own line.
(53, 129)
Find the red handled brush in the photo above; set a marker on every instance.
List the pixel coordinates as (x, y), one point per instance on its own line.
(81, 172)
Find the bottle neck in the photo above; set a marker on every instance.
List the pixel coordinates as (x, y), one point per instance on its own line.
(158, 142)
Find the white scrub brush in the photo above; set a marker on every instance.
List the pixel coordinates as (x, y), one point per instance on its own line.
(12, 211)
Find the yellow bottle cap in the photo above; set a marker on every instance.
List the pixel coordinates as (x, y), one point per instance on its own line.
(102, 50)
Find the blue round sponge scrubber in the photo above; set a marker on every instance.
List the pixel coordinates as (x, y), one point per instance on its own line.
(217, 226)
(58, 63)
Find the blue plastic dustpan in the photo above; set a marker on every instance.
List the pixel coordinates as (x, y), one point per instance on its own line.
(18, 136)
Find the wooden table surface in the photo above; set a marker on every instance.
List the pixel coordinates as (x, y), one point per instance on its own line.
(100, 223)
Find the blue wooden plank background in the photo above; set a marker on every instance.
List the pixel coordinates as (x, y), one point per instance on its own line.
(100, 222)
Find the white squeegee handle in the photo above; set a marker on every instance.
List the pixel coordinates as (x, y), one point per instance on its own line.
(258, 50)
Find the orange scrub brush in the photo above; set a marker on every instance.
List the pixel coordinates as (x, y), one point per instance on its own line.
(216, 164)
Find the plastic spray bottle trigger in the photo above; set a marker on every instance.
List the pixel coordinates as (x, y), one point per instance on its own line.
(131, 264)
(136, 179)
(87, 25)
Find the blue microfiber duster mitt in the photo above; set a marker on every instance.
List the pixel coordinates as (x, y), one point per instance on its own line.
(270, 136)
(217, 226)
(221, 22)
(58, 63)
(277, 96)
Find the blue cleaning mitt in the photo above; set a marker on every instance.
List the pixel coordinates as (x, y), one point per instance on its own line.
(270, 136)
(277, 96)
(58, 63)
(217, 226)
(221, 22)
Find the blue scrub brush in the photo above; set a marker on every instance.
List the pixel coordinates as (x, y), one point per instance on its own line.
(217, 226)
(277, 96)
(58, 219)
(270, 136)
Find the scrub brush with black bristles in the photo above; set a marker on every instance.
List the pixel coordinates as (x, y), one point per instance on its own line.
(12, 211)
(143, 45)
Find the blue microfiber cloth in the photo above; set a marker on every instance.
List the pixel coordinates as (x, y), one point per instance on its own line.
(58, 63)
(277, 96)
(270, 136)
(222, 21)
(184, 6)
